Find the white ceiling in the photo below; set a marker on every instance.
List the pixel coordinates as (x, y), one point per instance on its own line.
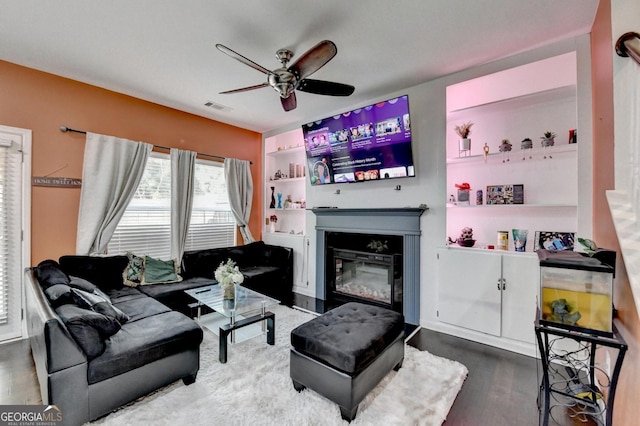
(163, 50)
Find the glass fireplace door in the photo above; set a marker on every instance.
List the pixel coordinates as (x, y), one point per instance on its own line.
(364, 275)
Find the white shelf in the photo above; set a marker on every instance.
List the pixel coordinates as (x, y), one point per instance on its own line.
(529, 98)
(283, 234)
(492, 251)
(286, 151)
(286, 180)
(490, 206)
(516, 152)
(270, 210)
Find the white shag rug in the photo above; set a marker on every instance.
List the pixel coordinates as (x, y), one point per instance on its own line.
(254, 388)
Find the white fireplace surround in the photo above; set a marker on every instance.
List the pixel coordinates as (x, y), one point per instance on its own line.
(404, 222)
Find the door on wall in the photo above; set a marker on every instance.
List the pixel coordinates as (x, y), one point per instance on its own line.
(15, 190)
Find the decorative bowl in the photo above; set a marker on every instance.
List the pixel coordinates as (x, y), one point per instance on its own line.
(465, 243)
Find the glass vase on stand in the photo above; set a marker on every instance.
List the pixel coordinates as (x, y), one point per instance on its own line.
(229, 291)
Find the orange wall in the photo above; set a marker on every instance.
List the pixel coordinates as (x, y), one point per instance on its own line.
(627, 409)
(43, 102)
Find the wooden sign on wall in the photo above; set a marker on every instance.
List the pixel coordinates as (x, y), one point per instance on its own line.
(59, 182)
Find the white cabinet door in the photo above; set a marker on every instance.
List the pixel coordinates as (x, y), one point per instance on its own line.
(521, 277)
(468, 291)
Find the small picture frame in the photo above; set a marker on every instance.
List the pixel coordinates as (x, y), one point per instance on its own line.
(551, 240)
(505, 194)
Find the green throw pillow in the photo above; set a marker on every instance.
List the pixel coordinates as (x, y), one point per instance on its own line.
(132, 275)
(158, 271)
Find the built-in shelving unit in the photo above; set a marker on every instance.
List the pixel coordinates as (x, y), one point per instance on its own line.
(515, 104)
(486, 294)
(285, 172)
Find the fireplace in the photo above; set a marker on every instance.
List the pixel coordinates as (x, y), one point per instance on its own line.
(371, 256)
(364, 268)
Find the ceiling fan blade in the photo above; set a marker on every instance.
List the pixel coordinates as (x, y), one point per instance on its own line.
(313, 59)
(235, 55)
(289, 102)
(321, 87)
(245, 89)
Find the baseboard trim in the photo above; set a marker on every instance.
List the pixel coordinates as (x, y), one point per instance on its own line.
(523, 348)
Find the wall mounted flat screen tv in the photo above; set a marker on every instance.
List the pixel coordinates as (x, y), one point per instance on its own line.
(369, 143)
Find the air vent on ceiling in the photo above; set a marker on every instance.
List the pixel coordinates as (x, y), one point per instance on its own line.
(217, 106)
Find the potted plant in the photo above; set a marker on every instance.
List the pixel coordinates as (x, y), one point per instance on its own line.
(465, 239)
(505, 145)
(547, 138)
(526, 143)
(464, 130)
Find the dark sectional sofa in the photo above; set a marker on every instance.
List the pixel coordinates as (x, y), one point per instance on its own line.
(267, 269)
(88, 365)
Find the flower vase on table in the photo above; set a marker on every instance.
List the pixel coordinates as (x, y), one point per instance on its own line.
(228, 276)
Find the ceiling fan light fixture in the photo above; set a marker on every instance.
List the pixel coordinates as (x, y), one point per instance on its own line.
(286, 80)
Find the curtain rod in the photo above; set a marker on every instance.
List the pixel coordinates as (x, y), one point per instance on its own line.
(68, 129)
(628, 45)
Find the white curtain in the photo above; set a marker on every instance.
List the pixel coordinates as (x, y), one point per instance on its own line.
(240, 190)
(111, 173)
(183, 164)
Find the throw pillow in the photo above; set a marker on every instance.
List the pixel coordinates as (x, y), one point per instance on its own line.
(99, 304)
(82, 284)
(48, 273)
(89, 329)
(134, 271)
(59, 294)
(158, 271)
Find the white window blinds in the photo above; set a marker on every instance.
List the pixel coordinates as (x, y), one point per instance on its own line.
(10, 224)
(145, 228)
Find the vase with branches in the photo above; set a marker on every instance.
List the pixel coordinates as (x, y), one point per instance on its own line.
(464, 130)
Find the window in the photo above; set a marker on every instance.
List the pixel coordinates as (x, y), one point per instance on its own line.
(145, 227)
(9, 211)
(15, 226)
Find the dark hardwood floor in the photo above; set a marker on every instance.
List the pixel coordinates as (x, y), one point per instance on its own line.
(18, 381)
(501, 388)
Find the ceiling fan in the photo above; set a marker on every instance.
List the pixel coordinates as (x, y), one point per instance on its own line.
(287, 79)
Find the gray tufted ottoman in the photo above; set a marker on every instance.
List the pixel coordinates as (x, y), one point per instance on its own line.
(344, 353)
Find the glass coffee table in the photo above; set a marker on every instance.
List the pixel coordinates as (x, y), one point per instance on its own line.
(247, 308)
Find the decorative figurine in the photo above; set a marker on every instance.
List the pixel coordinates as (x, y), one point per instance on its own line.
(485, 149)
(273, 198)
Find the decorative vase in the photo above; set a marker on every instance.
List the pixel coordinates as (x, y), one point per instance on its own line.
(548, 142)
(228, 291)
(464, 145)
(505, 146)
(273, 198)
(520, 239)
(272, 227)
(526, 144)
(279, 200)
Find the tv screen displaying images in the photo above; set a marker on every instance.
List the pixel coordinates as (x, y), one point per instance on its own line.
(369, 143)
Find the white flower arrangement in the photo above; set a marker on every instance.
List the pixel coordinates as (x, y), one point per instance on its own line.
(228, 274)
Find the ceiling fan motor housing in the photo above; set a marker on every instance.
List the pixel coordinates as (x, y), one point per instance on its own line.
(283, 81)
